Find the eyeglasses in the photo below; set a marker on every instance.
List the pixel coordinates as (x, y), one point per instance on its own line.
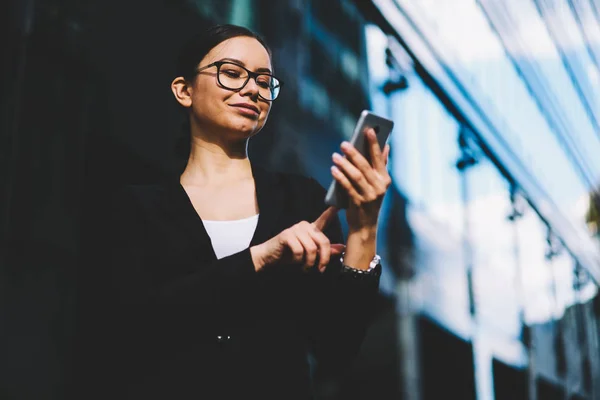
(233, 76)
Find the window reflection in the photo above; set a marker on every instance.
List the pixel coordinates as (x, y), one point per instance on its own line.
(538, 134)
(491, 234)
(536, 273)
(423, 166)
(562, 268)
(522, 277)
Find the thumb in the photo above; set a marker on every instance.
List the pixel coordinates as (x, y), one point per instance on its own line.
(325, 218)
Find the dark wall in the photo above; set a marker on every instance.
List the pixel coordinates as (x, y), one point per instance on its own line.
(87, 106)
(446, 364)
(510, 383)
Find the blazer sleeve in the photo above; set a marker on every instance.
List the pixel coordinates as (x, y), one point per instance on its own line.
(341, 305)
(134, 281)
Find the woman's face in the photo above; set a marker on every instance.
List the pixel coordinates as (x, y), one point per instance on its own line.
(226, 110)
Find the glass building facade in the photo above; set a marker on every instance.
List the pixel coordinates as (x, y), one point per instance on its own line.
(495, 150)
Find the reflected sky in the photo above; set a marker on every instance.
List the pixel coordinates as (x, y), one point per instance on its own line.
(514, 281)
(549, 122)
(478, 55)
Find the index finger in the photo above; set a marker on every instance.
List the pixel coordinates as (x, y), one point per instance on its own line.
(326, 217)
(375, 150)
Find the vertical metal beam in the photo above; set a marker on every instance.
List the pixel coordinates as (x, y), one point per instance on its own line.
(408, 343)
(463, 164)
(406, 324)
(593, 352)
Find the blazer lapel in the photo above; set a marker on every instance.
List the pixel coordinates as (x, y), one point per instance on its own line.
(179, 206)
(270, 204)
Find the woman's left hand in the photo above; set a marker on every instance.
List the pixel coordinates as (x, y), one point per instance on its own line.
(365, 183)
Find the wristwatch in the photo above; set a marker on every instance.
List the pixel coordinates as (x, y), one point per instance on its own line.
(363, 273)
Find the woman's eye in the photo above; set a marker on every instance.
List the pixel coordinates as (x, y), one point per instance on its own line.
(264, 84)
(231, 73)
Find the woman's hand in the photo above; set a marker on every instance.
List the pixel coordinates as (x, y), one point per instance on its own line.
(365, 183)
(300, 244)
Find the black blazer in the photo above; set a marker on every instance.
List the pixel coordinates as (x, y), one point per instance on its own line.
(162, 318)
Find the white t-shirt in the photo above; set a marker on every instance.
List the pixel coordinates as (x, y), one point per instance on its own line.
(230, 237)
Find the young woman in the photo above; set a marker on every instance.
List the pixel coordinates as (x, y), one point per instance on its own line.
(221, 282)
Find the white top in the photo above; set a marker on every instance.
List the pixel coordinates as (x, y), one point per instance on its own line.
(230, 237)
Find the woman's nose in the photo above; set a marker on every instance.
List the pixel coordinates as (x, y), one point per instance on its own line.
(250, 87)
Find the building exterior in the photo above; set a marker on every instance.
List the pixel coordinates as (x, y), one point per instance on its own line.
(496, 152)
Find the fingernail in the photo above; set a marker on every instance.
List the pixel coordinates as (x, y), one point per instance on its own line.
(345, 145)
(334, 169)
(336, 156)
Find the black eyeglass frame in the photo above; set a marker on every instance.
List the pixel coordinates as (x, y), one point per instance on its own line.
(251, 74)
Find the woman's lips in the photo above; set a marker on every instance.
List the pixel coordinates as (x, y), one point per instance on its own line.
(246, 109)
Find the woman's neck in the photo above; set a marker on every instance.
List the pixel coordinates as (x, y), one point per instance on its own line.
(213, 163)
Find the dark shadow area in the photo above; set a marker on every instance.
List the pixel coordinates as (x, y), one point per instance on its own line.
(446, 364)
(376, 372)
(510, 383)
(549, 391)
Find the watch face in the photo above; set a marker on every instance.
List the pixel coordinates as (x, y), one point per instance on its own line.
(375, 262)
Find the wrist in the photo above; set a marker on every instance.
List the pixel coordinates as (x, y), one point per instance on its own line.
(360, 249)
(363, 234)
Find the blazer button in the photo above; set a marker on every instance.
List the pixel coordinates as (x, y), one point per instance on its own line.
(221, 339)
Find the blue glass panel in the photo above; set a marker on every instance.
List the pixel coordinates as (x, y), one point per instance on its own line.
(424, 154)
(491, 233)
(475, 53)
(536, 275)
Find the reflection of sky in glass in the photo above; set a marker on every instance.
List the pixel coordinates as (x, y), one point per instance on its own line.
(569, 39)
(424, 152)
(495, 271)
(511, 274)
(479, 58)
(531, 30)
(536, 272)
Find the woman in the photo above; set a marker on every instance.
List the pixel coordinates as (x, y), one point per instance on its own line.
(223, 280)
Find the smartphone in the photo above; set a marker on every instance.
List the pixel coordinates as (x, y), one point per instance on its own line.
(336, 195)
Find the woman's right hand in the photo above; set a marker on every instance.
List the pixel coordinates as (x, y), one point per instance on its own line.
(299, 244)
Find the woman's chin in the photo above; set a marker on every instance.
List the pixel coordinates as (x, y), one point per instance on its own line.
(246, 129)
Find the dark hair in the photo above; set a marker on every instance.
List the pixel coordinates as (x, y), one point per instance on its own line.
(193, 51)
(202, 43)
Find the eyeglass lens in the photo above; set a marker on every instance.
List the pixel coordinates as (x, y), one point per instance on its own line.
(233, 77)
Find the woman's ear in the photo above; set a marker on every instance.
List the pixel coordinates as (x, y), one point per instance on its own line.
(181, 91)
